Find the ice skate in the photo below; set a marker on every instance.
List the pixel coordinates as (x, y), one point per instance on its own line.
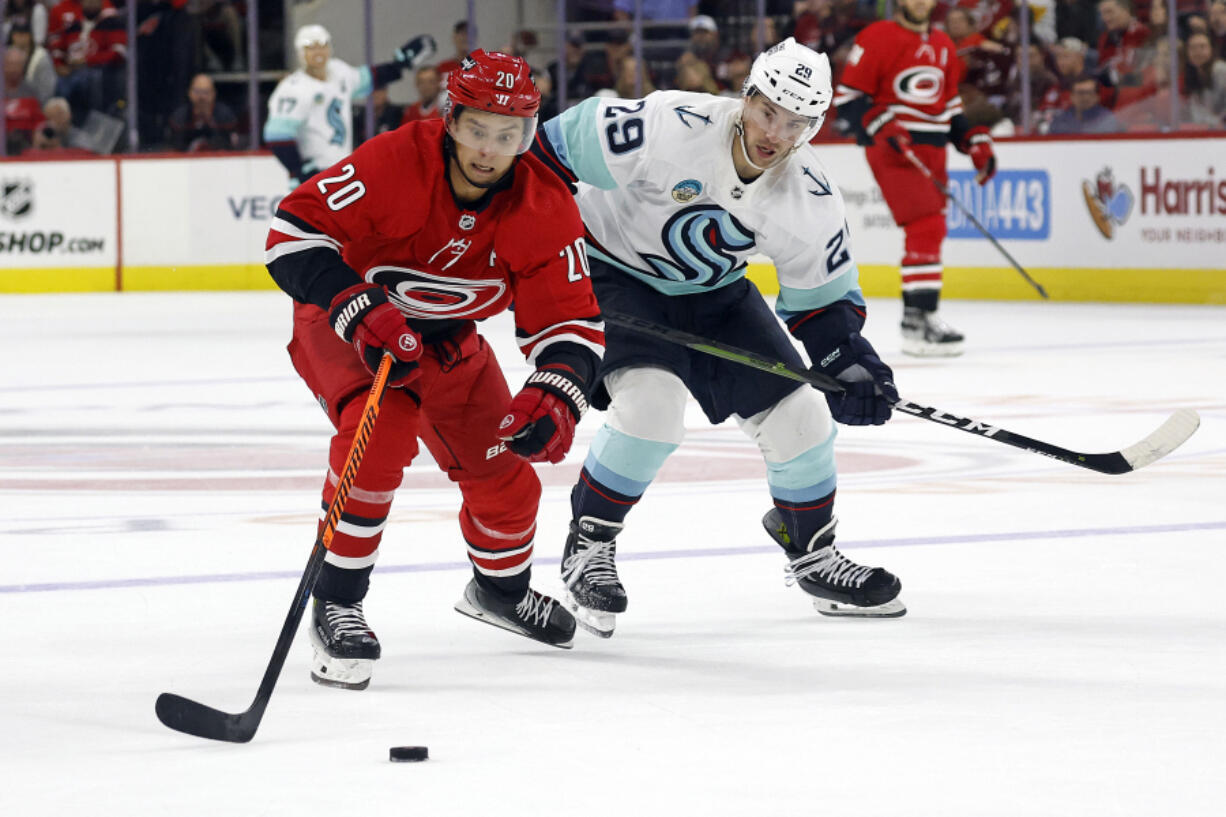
(839, 586)
(535, 615)
(924, 334)
(345, 647)
(593, 592)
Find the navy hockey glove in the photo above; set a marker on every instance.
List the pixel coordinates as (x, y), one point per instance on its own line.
(540, 424)
(362, 316)
(415, 52)
(868, 383)
(879, 123)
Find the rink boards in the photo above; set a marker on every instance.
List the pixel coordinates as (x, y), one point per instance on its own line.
(1092, 220)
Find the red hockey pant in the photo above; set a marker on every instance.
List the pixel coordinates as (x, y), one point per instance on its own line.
(464, 396)
(919, 208)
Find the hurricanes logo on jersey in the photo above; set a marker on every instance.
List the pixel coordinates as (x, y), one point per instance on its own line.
(436, 297)
(701, 241)
(919, 85)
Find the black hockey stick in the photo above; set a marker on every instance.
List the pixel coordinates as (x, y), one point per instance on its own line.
(1165, 439)
(194, 718)
(915, 160)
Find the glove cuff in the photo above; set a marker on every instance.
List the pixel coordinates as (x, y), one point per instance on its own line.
(876, 118)
(977, 135)
(565, 384)
(351, 306)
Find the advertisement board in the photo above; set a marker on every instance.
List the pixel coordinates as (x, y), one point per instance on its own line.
(57, 226)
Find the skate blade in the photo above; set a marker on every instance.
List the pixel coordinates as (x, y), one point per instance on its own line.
(342, 673)
(596, 622)
(835, 609)
(921, 348)
(465, 607)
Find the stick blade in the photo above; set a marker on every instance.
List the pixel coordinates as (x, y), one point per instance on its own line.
(192, 718)
(1170, 435)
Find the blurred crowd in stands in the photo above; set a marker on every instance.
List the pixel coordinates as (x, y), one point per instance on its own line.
(1095, 66)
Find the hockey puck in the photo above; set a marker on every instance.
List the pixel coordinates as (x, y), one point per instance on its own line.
(408, 754)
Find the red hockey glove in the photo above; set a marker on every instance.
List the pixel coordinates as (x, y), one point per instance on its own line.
(979, 147)
(362, 316)
(540, 424)
(879, 122)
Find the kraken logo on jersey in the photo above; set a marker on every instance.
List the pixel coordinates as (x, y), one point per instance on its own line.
(436, 297)
(702, 240)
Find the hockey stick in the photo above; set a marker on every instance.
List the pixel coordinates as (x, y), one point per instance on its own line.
(1165, 439)
(194, 718)
(922, 168)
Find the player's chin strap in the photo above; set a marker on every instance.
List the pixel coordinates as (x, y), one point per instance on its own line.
(740, 132)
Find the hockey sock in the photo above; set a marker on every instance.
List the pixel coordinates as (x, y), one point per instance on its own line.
(342, 585)
(590, 497)
(804, 519)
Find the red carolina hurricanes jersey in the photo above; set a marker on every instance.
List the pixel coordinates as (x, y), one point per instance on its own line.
(388, 211)
(914, 75)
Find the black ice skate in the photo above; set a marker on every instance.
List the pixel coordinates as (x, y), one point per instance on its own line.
(536, 615)
(593, 592)
(924, 334)
(840, 587)
(345, 647)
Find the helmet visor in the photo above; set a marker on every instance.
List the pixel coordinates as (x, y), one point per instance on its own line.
(777, 123)
(491, 132)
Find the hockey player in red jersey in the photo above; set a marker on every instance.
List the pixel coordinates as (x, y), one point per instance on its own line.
(899, 94)
(401, 247)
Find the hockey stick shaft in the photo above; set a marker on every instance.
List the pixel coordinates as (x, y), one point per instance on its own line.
(1170, 435)
(185, 715)
(923, 168)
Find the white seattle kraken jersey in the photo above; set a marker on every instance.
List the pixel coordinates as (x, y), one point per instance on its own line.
(661, 200)
(317, 114)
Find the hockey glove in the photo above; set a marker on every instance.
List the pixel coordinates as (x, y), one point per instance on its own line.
(879, 123)
(415, 52)
(362, 316)
(540, 424)
(868, 383)
(978, 146)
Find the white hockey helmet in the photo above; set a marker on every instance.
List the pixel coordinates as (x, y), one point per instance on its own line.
(795, 78)
(312, 34)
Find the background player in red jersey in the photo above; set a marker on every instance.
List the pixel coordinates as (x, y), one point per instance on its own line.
(401, 247)
(899, 92)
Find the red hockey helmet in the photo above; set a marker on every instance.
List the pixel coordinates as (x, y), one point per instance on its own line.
(498, 84)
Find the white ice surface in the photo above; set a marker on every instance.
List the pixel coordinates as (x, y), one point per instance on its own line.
(1064, 653)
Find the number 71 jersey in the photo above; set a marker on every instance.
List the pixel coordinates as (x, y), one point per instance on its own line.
(661, 199)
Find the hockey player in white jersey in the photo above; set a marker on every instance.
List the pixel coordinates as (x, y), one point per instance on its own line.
(676, 191)
(310, 112)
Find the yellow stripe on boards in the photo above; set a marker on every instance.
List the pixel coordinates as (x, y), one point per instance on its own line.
(184, 277)
(1174, 286)
(28, 280)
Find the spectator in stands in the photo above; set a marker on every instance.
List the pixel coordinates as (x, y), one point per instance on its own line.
(203, 123)
(429, 95)
(89, 48)
(1120, 45)
(1205, 80)
(22, 113)
(738, 70)
(1217, 26)
(31, 14)
(47, 140)
(693, 74)
(986, 62)
(166, 45)
(627, 82)
(39, 70)
(586, 71)
(459, 38)
(221, 30)
(1043, 83)
(1086, 114)
(57, 113)
(1077, 18)
(388, 115)
(705, 47)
